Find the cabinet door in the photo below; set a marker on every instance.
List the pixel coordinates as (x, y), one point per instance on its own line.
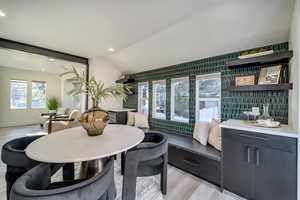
(238, 168)
(275, 174)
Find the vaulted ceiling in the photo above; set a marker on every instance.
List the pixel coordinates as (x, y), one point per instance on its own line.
(147, 34)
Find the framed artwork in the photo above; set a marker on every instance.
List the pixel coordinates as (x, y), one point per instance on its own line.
(269, 75)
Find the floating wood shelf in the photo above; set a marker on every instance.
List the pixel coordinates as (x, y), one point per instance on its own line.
(269, 87)
(274, 58)
(124, 81)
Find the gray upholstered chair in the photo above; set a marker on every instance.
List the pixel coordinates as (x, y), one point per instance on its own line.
(13, 155)
(36, 185)
(147, 159)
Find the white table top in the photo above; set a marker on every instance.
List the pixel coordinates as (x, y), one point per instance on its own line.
(74, 145)
(284, 130)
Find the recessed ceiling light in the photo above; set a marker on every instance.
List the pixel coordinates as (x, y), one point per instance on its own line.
(111, 49)
(51, 59)
(2, 14)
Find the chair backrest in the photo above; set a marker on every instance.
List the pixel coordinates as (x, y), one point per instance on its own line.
(158, 146)
(61, 111)
(33, 185)
(75, 114)
(13, 152)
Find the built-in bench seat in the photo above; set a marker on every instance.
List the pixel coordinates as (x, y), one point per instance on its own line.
(189, 155)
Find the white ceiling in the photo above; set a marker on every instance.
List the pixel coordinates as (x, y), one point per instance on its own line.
(147, 34)
(33, 62)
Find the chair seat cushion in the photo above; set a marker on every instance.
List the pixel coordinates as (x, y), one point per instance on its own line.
(61, 184)
(145, 144)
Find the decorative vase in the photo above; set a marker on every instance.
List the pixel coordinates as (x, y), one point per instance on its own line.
(94, 121)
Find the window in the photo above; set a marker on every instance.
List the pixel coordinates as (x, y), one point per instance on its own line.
(18, 94)
(38, 94)
(208, 96)
(159, 99)
(143, 102)
(180, 99)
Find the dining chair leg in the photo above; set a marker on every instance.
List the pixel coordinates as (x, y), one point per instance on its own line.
(68, 172)
(122, 162)
(164, 175)
(8, 189)
(129, 182)
(112, 192)
(163, 181)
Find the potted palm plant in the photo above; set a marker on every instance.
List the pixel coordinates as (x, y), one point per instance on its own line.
(52, 104)
(95, 119)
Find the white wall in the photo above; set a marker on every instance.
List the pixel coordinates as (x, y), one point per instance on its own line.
(67, 101)
(105, 71)
(18, 117)
(294, 108)
(294, 71)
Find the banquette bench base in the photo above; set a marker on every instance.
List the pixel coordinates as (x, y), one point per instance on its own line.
(189, 155)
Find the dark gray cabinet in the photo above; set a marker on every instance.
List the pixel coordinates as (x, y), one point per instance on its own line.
(236, 167)
(117, 117)
(259, 166)
(275, 174)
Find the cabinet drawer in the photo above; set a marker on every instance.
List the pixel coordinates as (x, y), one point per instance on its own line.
(260, 139)
(195, 164)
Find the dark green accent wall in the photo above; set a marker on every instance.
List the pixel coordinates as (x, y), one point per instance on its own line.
(232, 103)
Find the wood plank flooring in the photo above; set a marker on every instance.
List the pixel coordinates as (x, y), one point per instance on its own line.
(181, 185)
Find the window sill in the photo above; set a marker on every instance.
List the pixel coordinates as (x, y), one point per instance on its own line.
(181, 121)
(158, 118)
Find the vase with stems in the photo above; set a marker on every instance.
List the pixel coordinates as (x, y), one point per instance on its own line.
(95, 119)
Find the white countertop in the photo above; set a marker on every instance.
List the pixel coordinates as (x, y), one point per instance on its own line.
(284, 130)
(74, 145)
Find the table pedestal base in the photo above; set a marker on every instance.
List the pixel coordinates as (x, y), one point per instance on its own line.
(90, 168)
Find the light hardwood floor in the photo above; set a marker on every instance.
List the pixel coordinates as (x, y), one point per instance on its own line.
(181, 185)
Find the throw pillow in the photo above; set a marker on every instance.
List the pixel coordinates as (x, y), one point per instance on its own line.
(141, 120)
(130, 118)
(214, 138)
(201, 132)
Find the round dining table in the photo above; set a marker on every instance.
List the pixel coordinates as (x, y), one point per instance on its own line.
(74, 145)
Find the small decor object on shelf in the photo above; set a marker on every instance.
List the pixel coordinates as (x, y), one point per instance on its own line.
(95, 119)
(254, 53)
(124, 76)
(244, 80)
(269, 75)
